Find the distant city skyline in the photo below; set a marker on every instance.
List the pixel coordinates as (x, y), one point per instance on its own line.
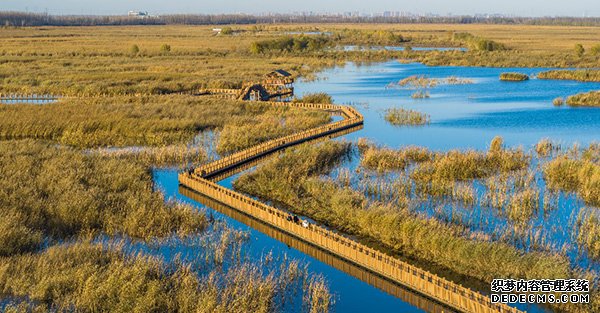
(533, 8)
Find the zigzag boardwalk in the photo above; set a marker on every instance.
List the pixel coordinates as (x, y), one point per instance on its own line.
(393, 269)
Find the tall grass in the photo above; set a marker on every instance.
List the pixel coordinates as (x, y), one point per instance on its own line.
(49, 60)
(544, 147)
(384, 159)
(84, 276)
(457, 165)
(589, 99)
(395, 227)
(173, 155)
(403, 117)
(53, 199)
(513, 77)
(578, 75)
(317, 97)
(146, 121)
(56, 193)
(581, 176)
(246, 131)
(588, 233)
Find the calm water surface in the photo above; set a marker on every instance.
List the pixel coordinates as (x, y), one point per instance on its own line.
(463, 116)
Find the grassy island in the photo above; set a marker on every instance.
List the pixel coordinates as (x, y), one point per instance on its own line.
(513, 77)
(402, 117)
(578, 75)
(588, 99)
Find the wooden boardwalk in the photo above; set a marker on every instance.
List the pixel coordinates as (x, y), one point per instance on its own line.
(425, 283)
(405, 294)
(33, 98)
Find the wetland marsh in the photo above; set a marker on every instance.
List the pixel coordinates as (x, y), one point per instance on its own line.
(135, 116)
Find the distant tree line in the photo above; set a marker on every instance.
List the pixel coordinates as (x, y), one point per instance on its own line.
(42, 19)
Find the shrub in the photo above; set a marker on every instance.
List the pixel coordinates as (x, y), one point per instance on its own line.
(291, 44)
(226, 30)
(134, 50)
(488, 45)
(165, 49)
(579, 50)
(420, 95)
(544, 147)
(558, 101)
(477, 43)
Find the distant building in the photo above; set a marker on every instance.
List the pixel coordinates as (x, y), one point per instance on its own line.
(139, 14)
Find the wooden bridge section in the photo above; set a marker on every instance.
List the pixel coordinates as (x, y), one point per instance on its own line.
(277, 84)
(405, 294)
(33, 98)
(423, 282)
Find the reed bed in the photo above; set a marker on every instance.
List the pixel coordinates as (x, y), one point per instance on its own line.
(317, 97)
(59, 203)
(244, 132)
(48, 60)
(461, 166)
(513, 77)
(545, 147)
(588, 233)
(56, 193)
(589, 99)
(404, 117)
(384, 159)
(183, 156)
(88, 276)
(424, 82)
(382, 212)
(149, 121)
(579, 175)
(421, 95)
(578, 75)
(395, 227)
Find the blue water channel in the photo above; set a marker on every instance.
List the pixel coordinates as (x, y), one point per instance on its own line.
(462, 116)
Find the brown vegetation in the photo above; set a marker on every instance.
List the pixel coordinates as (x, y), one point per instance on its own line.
(402, 117)
(590, 99)
(580, 175)
(147, 121)
(578, 75)
(513, 77)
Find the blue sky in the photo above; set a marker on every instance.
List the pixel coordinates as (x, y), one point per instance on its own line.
(516, 7)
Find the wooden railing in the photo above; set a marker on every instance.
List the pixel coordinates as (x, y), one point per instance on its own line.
(27, 98)
(407, 295)
(424, 282)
